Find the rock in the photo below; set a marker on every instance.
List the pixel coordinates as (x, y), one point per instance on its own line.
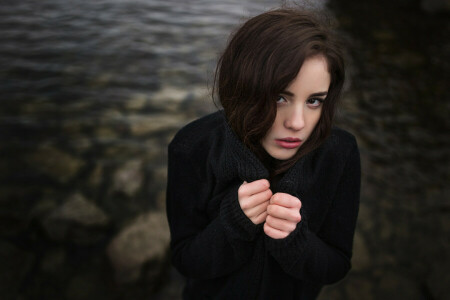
(361, 257)
(128, 178)
(358, 288)
(169, 98)
(147, 124)
(101, 80)
(53, 261)
(330, 292)
(145, 240)
(77, 220)
(157, 186)
(16, 263)
(103, 133)
(55, 163)
(110, 114)
(136, 102)
(90, 284)
(396, 286)
(81, 211)
(96, 177)
(169, 93)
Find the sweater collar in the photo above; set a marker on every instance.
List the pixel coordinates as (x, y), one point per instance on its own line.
(237, 161)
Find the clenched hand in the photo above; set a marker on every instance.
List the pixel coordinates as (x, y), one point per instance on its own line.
(283, 214)
(254, 198)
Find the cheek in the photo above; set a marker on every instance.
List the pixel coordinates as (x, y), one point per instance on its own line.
(313, 118)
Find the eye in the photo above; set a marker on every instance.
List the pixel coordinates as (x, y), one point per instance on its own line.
(314, 102)
(281, 99)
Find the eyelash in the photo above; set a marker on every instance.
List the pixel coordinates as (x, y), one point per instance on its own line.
(319, 100)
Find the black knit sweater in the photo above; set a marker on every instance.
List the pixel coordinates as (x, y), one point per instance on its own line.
(221, 252)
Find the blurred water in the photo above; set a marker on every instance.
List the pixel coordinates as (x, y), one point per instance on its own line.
(101, 50)
(75, 59)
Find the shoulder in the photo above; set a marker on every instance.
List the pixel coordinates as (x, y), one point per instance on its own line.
(340, 140)
(339, 146)
(198, 135)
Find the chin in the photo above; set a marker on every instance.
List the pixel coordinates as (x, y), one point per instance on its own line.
(282, 156)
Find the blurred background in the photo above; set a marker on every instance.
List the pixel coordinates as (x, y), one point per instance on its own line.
(91, 93)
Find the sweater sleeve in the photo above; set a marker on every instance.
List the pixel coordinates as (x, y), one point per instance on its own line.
(324, 257)
(203, 248)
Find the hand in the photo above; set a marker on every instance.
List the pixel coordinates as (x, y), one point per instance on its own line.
(283, 214)
(254, 198)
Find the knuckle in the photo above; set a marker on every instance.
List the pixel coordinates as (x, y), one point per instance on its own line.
(276, 197)
(292, 227)
(241, 191)
(261, 218)
(272, 209)
(244, 205)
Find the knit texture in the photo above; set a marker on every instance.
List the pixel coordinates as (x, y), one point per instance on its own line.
(222, 254)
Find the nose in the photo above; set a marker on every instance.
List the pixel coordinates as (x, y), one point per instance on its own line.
(295, 120)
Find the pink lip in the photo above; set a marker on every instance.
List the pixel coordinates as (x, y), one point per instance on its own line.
(289, 142)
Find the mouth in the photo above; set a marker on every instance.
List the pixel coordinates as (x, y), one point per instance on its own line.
(289, 142)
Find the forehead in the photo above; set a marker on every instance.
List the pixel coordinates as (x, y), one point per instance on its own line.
(313, 77)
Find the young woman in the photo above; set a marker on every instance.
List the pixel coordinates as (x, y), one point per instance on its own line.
(263, 196)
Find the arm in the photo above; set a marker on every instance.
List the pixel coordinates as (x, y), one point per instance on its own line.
(324, 257)
(203, 248)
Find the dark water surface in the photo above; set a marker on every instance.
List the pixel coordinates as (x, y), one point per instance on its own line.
(91, 92)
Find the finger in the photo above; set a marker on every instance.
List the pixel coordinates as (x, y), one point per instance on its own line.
(257, 210)
(274, 233)
(281, 224)
(254, 187)
(247, 203)
(290, 214)
(260, 218)
(286, 200)
(260, 197)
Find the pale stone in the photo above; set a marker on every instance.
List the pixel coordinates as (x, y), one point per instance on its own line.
(136, 102)
(169, 98)
(111, 114)
(95, 178)
(101, 80)
(105, 133)
(171, 94)
(145, 239)
(59, 165)
(147, 124)
(80, 210)
(129, 177)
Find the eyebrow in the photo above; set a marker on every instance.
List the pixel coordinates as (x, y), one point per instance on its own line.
(319, 94)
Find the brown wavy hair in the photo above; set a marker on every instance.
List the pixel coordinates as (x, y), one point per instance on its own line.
(262, 58)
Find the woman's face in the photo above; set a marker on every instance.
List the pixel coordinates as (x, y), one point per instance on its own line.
(298, 109)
